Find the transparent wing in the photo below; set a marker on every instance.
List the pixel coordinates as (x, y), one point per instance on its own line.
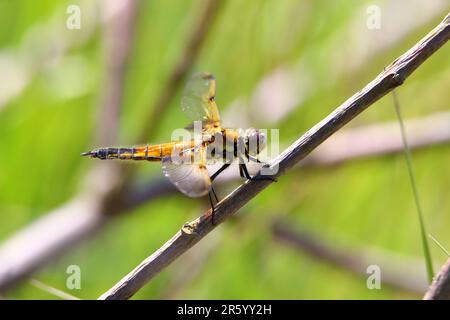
(198, 101)
(188, 172)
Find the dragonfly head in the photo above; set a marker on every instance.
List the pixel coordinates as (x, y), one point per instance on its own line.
(255, 141)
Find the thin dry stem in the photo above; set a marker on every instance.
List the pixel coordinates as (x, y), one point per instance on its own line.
(393, 76)
(440, 287)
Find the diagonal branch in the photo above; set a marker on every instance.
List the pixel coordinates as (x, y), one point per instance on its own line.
(118, 37)
(393, 76)
(350, 144)
(440, 288)
(402, 273)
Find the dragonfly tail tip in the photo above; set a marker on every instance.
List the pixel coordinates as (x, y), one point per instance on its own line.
(86, 154)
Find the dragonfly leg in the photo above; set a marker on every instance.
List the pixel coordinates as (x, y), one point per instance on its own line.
(215, 195)
(254, 159)
(265, 177)
(226, 165)
(213, 209)
(243, 171)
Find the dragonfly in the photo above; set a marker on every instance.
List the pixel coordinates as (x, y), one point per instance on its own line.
(184, 162)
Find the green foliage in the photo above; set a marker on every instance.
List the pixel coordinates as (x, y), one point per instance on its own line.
(366, 203)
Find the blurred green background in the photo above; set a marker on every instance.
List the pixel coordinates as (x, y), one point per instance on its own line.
(49, 113)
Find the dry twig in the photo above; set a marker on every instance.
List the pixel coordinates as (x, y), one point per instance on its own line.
(393, 76)
(440, 288)
(53, 291)
(404, 273)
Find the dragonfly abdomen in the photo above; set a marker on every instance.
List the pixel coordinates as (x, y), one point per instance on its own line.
(149, 153)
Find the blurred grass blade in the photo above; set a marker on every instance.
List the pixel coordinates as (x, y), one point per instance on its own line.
(426, 247)
(53, 291)
(439, 245)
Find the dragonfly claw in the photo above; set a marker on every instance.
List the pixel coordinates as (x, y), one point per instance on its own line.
(261, 177)
(87, 154)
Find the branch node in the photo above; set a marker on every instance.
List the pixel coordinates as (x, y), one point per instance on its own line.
(446, 20)
(398, 79)
(189, 228)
